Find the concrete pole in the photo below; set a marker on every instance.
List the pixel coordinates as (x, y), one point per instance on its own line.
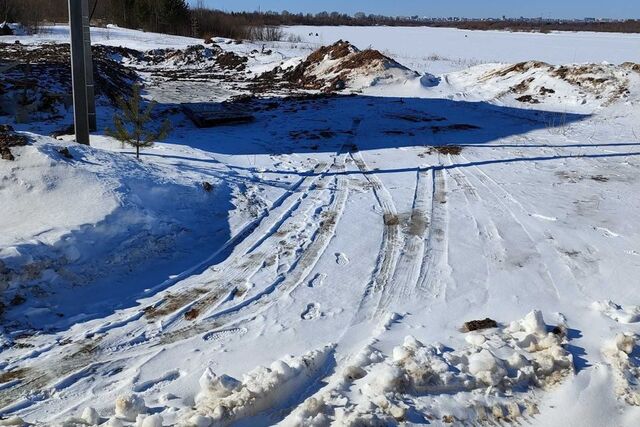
(78, 73)
(88, 61)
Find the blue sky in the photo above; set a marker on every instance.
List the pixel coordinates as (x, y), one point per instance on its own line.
(438, 8)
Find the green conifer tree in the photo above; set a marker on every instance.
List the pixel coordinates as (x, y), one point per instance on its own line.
(130, 124)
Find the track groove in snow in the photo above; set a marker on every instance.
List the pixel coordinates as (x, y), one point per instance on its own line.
(390, 246)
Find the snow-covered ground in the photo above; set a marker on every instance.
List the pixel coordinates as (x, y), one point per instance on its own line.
(447, 49)
(327, 276)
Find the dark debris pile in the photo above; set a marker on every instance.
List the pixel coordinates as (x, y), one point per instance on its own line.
(38, 78)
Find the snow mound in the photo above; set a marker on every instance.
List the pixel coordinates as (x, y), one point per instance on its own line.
(223, 400)
(535, 82)
(343, 66)
(620, 354)
(76, 196)
(492, 375)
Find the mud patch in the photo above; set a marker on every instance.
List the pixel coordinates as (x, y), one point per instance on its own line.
(390, 219)
(453, 150)
(172, 303)
(418, 223)
(528, 99)
(16, 374)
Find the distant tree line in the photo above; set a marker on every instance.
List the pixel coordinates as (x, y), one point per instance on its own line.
(176, 17)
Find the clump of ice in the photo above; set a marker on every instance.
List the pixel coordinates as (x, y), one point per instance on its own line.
(149, 421)
(198, 420)
(619, 354)
(129, 406)
(90, 415)
(114, 422)
(223, 399)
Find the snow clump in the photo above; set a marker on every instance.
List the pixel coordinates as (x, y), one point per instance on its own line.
(223, 399)
(619, 354)
(129, 406)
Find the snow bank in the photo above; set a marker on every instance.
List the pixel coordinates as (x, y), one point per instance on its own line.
(223, 399)
(374, 389)
(94, 215)
(619, 353)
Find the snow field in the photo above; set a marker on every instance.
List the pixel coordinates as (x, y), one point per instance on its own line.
(379, 223)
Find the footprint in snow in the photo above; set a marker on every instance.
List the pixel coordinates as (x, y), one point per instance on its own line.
(318, 280)
(341, 259)
(311, 312)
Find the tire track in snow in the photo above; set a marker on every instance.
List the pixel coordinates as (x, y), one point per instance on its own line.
(285, 283)
(389, 249)
(405, 279)
(558, 264)
(490, 240)
(237, 315)
(265, 231)
(236, 265)
(435, 261)
(494, 190)
(33, 380)
(68, 369)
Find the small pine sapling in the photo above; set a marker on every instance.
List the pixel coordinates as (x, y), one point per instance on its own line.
(130, 125)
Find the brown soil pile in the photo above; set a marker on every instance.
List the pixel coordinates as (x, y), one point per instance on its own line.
(315, 73)
(519, 68)
(631, 66)
(231, 61)
(338, 50)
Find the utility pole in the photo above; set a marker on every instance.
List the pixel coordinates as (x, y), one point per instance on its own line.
(88, 63)
(78, 72)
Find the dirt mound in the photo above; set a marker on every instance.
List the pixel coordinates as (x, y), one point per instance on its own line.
(338, 50)
(533, 82)
(337, 67)
(193, 57)
(519, 68)
(231, 61)
(38, 80)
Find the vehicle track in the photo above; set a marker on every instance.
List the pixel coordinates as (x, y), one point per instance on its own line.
(404, 283)
(75, 356)
(389, 249)
(435, 260)
(521, 253)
